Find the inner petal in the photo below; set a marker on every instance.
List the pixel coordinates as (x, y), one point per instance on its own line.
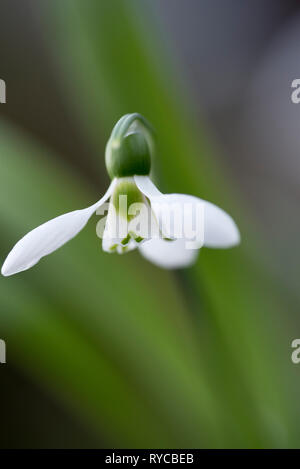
(128, 218)
(125, 194)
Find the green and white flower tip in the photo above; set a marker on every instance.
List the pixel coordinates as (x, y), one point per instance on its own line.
(167, 229)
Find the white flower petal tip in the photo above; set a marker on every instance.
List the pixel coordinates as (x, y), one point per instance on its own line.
(220, 230)
(168, 254)
(45, 239)
(48, 237)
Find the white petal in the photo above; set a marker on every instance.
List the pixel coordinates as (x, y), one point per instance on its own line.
(179, 216)
(219, 230)
(168, 254)
(48, 237)
(144, 224)
(115, 231)
(147, 187)
(128, 231)
(129, 247)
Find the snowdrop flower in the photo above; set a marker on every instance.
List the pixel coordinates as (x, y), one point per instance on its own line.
(168, 229)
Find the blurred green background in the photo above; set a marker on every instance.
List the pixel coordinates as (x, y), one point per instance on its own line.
(110, 351)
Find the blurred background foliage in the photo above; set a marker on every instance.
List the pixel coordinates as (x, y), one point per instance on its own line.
(110, 351)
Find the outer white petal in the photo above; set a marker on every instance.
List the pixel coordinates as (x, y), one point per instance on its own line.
(219, 230)
(147, 187)
(48, 237)
(179, 216)
(168, 254)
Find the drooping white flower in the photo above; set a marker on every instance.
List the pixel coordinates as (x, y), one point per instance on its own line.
(168, 229)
